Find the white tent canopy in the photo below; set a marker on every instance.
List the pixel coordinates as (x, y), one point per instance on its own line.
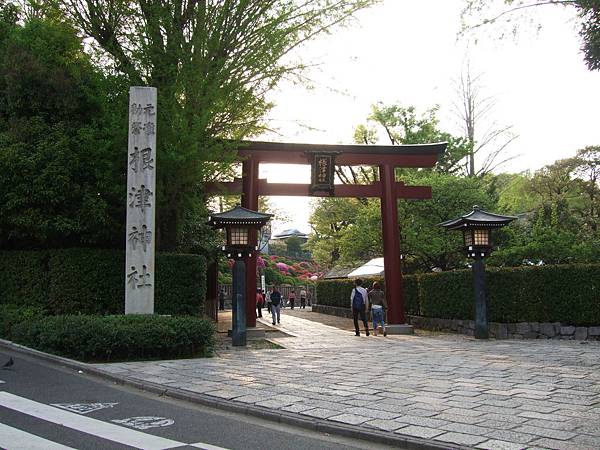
(370, 269)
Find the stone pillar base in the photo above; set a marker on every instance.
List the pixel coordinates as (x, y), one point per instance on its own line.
(255, 333)
(399, 329)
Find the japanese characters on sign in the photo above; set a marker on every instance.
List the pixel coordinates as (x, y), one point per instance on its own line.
(322, 173)
(141, 176)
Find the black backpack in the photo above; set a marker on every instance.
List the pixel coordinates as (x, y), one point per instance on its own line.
(358, 302)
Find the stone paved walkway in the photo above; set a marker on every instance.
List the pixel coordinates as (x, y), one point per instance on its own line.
(480, 394)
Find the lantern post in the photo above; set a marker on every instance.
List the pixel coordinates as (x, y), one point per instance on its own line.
(237, 223)
(477, 230)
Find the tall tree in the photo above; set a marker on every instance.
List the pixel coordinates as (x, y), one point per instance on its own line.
(474, 110)
(485, 12)
(405, 125)
(213, 62)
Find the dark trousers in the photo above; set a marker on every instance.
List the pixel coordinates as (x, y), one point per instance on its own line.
(222, 305)
(292, 300)
(363, 318)
(259, 310)
(302, 303)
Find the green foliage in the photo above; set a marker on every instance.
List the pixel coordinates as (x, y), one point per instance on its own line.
(213, 64)
(92, 281)
(11, 315)
(62, 157)
(404, 125)
(24, 277)
(114, 338)
(569, 294)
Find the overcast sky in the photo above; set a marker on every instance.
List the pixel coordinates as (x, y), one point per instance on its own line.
(407, 52)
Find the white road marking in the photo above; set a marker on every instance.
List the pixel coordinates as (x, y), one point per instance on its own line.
(85, 424)
(83, 408)
(207, 446)
(15, 439)
(145, 422)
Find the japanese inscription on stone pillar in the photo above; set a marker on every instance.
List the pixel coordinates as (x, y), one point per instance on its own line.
(141, 200)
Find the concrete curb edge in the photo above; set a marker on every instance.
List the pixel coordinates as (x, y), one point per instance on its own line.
(285, 417)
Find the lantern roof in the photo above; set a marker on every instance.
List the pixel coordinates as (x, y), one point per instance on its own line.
(478, 218)
(239, 216)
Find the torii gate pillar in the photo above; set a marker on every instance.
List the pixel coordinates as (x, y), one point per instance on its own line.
(250, 201)
(391, 253)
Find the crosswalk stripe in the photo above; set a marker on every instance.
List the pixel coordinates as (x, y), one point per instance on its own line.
(85, 424)
(206, 446)
(15, 439)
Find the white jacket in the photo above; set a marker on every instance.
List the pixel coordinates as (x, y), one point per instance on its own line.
(365, 295)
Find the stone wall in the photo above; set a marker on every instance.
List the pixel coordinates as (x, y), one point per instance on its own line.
(522, 330)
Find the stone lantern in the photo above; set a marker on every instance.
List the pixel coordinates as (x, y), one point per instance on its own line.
(237, 223)
(476, 227)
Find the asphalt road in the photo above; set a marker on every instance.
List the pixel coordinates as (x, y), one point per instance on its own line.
(45, 406)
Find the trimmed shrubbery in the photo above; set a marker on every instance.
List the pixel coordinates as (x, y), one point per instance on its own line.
(568, 294)
(115, 338)
(92, 281)
(11, 315)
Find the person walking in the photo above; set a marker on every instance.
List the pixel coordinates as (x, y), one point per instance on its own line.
(302, 298)
(222, 299)
(378, 307)
(276, 305)
(259, 302)
(292, 298)
(268, 301)
(359, 301)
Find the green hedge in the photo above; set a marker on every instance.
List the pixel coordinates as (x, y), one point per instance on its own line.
(117, 338)
(337, 292)
(92, 281)
(11, 315)
(569, 294)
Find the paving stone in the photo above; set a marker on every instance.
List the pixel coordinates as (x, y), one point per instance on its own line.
(548, 388)
(512, 436)
(557, 445)
(297, 408)
(422, 421)
(386, 425)
(421, 432)
(460, 438)
(548, 417)
(466, 428)
(495, 444)
(504, 418)
(320, 413)
(459, 419)
(371, 413)
(546, 432)
(351, 419)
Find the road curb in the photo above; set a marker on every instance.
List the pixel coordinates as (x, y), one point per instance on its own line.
(284, 417)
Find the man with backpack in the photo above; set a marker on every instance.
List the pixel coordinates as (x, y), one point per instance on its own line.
(276, 305)
(359, 302)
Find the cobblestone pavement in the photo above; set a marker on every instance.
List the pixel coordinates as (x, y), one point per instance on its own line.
(447, 388)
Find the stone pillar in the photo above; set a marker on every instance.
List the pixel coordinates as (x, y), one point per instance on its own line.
(141, 198)
(391, 253)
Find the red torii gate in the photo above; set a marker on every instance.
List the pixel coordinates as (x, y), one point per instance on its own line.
(387, 158)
